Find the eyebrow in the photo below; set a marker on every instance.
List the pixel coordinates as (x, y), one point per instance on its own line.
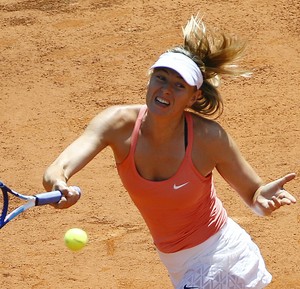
(166, 70)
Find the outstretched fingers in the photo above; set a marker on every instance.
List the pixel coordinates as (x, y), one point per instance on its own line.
(284, 196)
(287, 178)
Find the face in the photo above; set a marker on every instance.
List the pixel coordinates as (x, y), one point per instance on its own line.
(169, 93)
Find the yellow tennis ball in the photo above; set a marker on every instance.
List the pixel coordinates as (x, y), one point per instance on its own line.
(75, 239)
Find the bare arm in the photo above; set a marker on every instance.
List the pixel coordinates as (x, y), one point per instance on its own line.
(102, 131)
(262, 198)
(75, 156)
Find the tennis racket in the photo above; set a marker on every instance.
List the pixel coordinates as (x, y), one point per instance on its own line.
(31, 201)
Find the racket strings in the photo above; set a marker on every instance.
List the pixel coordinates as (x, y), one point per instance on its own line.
(7, 204)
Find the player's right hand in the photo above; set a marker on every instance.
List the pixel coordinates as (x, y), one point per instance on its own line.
(69, 198)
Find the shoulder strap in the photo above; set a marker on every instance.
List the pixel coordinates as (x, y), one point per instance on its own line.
(190, 133)
(136, 129)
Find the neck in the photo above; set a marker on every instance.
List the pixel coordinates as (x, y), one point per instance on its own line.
(162, 129)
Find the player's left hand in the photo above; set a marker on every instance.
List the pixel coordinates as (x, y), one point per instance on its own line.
(272, 196)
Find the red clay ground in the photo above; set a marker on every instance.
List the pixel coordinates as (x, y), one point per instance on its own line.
(63, 61)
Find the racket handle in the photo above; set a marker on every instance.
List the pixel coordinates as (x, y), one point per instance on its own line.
(51, 197)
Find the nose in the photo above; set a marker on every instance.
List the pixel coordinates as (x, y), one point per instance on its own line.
(166, 88)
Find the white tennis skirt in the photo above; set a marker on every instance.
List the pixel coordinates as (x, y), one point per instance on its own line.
(227, 260)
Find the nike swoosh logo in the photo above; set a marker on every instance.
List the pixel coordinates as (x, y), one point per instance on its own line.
(175, 187)
(185, 287)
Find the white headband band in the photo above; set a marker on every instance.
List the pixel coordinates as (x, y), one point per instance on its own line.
(182, 64)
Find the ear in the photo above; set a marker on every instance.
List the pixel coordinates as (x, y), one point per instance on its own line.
(197, 95)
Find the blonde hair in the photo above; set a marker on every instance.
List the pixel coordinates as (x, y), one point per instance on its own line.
(216, 54)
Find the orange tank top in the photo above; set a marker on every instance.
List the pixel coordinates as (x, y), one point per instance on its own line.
(180, 212)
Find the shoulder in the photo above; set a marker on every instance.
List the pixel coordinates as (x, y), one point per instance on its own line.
(210, 136)
(117, 116)
(208, 129)
(114, 122)
(121, 111)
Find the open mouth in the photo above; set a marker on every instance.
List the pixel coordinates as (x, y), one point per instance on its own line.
(161, 101)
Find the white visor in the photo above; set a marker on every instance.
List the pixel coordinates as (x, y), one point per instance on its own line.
(182, 64)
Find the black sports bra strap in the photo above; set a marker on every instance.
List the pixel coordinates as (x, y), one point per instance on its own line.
(185, 133)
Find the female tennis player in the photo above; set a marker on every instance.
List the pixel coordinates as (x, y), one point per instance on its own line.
(165, 152)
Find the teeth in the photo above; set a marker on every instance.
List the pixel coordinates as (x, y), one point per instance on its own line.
(161, 100)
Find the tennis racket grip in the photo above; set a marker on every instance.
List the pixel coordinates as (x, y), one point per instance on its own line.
(51, 197)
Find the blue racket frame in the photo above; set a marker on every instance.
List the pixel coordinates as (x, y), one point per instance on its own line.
(32, 201)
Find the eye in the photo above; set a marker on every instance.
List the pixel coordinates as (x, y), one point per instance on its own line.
(160, 77)
(180, 85)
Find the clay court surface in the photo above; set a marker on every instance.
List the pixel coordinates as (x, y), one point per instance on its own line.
(63, 61)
